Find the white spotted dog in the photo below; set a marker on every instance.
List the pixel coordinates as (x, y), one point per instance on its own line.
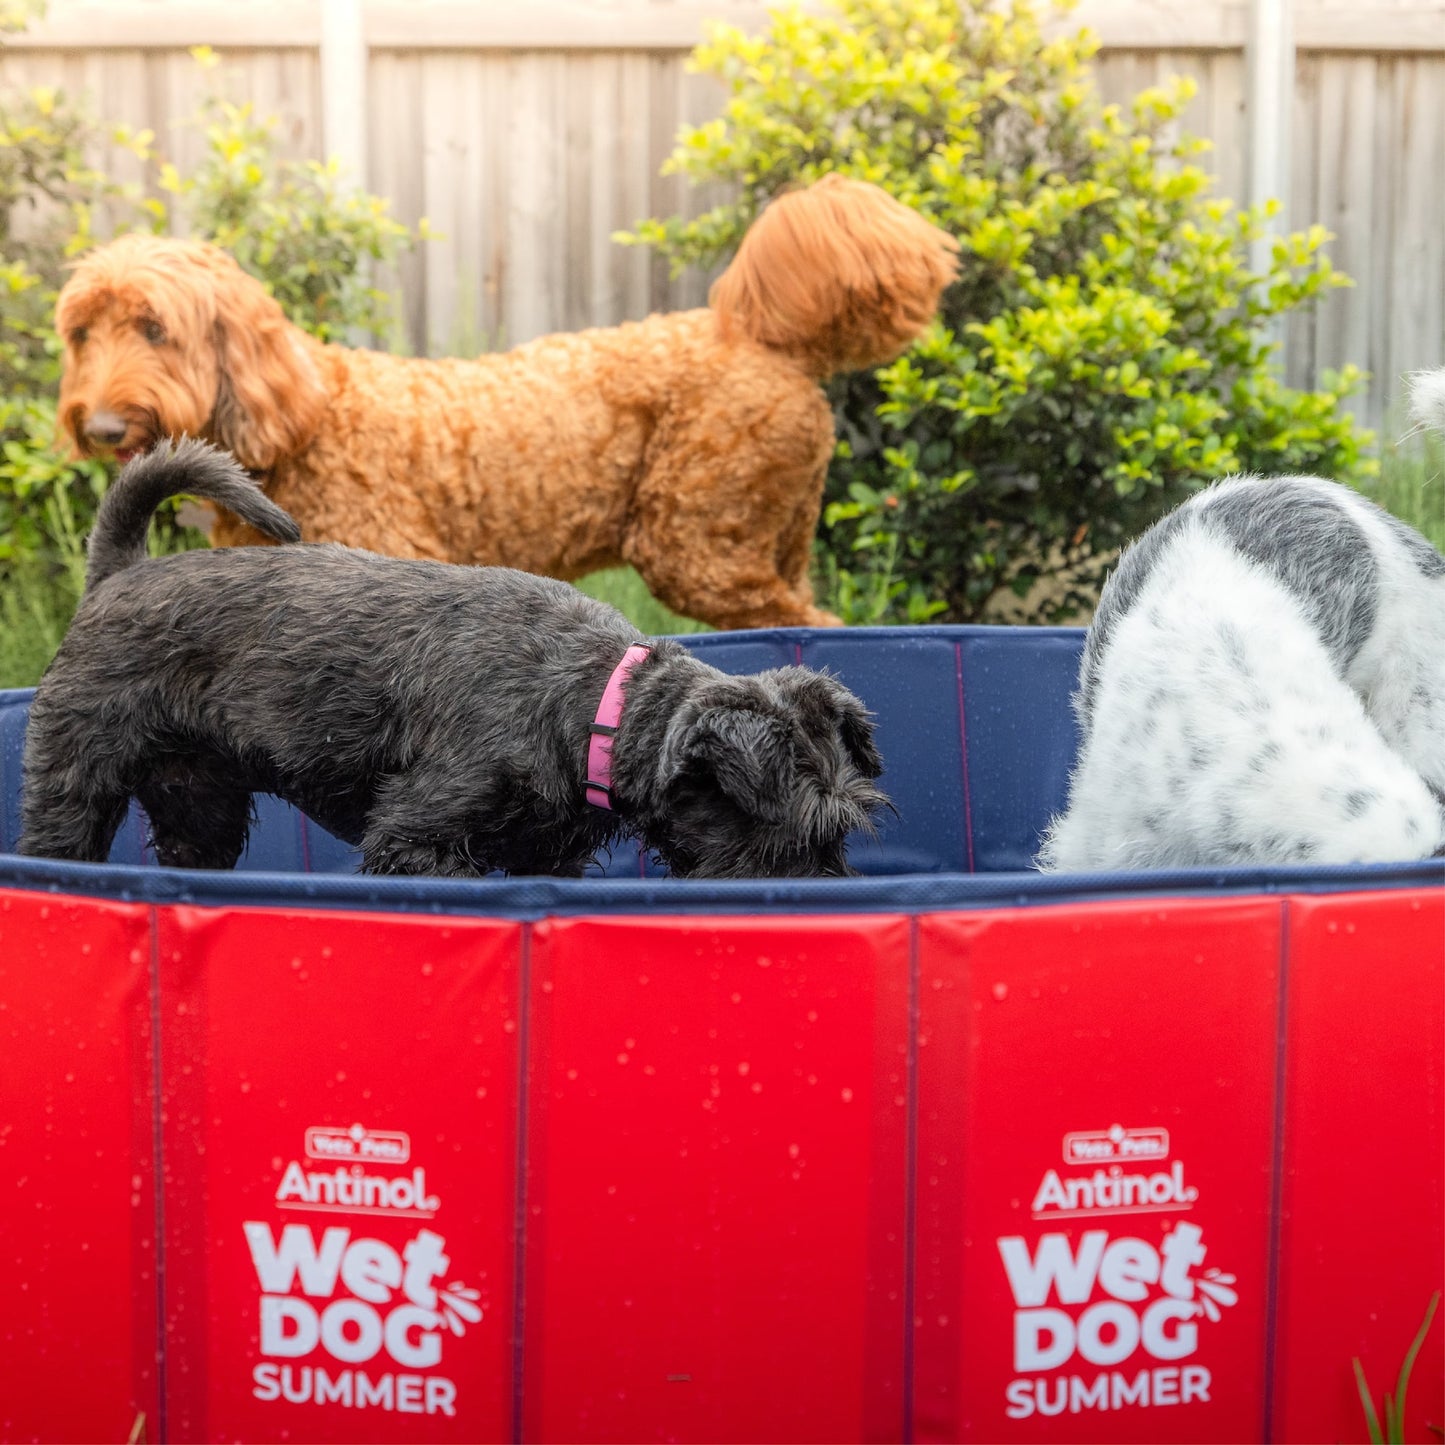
(1264, 682)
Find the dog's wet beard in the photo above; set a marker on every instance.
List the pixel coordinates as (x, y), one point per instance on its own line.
(708, 835)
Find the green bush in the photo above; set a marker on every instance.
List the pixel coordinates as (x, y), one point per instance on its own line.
(293, 224)
(48, 195)
(1103, 352)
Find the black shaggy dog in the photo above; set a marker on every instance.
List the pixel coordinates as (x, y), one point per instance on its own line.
(440, 717)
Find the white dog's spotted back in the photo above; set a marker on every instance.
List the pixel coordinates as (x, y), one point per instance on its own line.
(1264, 682)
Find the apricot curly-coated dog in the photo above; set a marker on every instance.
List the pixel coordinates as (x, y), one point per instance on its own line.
(691, 445)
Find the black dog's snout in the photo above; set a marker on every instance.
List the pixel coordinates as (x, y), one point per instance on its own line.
(104, 427)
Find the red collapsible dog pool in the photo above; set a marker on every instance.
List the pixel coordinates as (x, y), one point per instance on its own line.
(948, 1151)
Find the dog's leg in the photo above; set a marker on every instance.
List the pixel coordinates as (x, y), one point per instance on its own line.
(75, 823)
(722, 524)
(395, 854)
(418, 827)
(399, 851)
(730, 560)
(76, 787)
(552, 850)
(200, 817)
(424, 823)
(795, 554)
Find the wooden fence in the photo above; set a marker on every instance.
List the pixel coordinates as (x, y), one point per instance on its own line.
(527, 133)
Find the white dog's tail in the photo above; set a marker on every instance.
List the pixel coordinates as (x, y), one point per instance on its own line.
(839, 276)
(118, 539)
(1427, 399)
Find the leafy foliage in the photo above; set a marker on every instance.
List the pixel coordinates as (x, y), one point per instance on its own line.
(48, 196)
(1104, 351)
(291, 223)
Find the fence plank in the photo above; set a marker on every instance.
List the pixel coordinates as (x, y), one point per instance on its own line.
(605, 260)
(536, 213)
(1300, 326)
(1221, 121)
(1409, 291)
(1384, 180)
(634, 180)
(496, 171)
(1400, 25)
(1345, 203)
(395, 89)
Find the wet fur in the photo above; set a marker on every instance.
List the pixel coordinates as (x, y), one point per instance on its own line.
(1264, 682)
(436, 716)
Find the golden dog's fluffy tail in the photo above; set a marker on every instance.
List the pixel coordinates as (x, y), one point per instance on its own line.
(839, 276)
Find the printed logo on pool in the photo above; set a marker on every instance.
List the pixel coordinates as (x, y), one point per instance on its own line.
(1107, 1286)
(384, 1145)
(357, 1312)
(1107, 1145)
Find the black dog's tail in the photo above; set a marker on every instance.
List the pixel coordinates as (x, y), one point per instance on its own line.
(119, 536)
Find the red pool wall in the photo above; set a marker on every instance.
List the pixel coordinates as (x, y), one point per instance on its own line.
(812, 1177)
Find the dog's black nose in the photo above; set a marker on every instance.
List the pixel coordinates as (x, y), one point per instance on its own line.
(105, 427)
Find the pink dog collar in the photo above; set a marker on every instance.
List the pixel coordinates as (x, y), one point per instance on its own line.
(604, 729)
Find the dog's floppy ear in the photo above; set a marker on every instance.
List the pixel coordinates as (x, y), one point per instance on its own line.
(828, 705)
(855, 727)
(748, 754)
(269, 400)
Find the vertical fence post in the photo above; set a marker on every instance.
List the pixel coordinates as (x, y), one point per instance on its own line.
(343, 87)
(1270, 66)
(343, 104)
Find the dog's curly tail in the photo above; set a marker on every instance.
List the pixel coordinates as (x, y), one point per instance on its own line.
(118, 539)
(839, 276)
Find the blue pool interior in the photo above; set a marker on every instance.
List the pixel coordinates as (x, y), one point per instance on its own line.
(974, 725)
(977, 735)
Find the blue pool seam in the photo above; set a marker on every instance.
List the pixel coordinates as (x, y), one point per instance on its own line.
(6, 843)
(963, 755)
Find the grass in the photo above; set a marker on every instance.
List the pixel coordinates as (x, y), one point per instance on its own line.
(1393, 1432)
(627, 592)
(38, 593)
(36, 601)
(1411, 485)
